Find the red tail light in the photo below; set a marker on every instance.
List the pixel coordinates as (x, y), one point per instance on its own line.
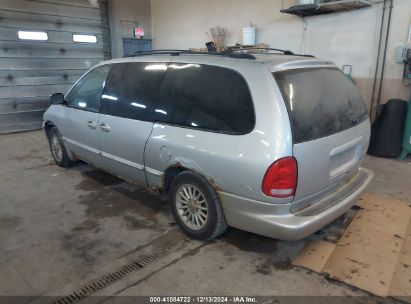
(280, 180)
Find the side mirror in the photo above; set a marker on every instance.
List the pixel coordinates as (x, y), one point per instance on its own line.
(57, 98)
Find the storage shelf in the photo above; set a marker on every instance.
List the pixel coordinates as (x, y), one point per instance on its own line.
(315, 9)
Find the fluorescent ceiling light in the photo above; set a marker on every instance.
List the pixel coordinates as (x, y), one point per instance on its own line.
(180, 67)
(85, 38)
(139, 105)
(29, 35)
(161, 111)
(156, 67)
(109, 97)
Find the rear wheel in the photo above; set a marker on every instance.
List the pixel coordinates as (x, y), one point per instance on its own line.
(58, 151)
(196, 207)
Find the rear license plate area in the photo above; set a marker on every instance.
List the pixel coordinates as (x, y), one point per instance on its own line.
(345, 157)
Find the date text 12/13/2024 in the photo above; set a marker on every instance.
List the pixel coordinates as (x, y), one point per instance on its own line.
(203, 299)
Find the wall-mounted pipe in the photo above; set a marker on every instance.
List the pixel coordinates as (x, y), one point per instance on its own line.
(385, 52)
(377, 64)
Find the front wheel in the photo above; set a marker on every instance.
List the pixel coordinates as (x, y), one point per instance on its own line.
(58, 151)
(196, 207)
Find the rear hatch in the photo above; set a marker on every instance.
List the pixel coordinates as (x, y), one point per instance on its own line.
(330, 129)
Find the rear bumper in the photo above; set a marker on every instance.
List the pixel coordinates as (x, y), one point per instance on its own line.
(276, 221)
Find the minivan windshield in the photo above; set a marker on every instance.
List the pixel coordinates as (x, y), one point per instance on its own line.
(320, 102)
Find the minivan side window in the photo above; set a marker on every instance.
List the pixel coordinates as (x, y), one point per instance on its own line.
(207, 98)
(132, 90)
(86, 95)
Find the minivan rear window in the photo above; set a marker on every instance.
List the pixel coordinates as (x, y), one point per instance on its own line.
(320, 102)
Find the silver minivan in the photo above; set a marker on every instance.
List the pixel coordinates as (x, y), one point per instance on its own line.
(267, 143)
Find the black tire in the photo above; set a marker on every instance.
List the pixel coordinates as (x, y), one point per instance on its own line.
(61, 160)
(215, 224)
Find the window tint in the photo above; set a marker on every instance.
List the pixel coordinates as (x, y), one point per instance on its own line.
(320, 102)
(206, 97)
(132, 89)
(86, 95)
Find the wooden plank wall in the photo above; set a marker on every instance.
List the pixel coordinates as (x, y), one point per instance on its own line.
(30, 71)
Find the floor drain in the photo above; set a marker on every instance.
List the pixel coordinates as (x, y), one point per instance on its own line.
(110, 278)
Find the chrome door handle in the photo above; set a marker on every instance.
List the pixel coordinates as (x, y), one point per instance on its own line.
(92, 124)
(105, 127)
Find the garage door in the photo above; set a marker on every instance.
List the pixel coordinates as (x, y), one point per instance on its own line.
(45, 46)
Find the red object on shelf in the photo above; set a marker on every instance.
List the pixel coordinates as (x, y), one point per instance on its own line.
(139, 32)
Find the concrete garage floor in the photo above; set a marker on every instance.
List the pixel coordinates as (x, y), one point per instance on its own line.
(61, 228)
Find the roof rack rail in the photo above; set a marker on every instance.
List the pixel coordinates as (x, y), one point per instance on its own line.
(155, 52)
(188, 52)
(239, 48)
(232, 52)
(285, 52)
